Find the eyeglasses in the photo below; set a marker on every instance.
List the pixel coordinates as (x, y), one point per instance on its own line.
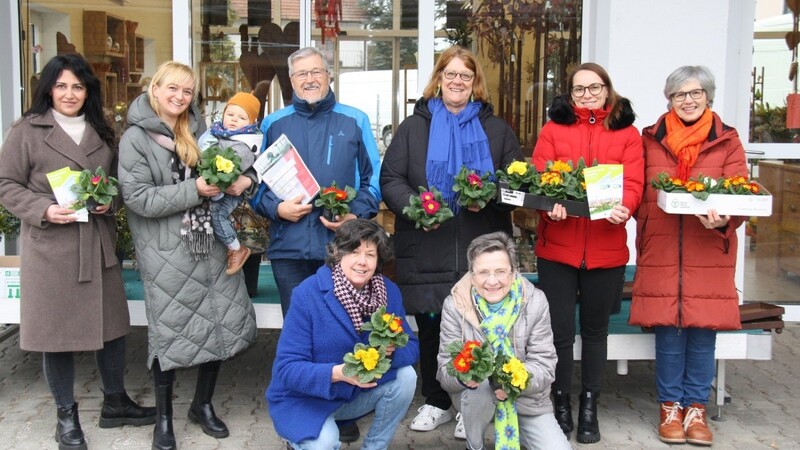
(696, 94)
(499, 275)
(593, 89)
(304, 74)
(465, 76)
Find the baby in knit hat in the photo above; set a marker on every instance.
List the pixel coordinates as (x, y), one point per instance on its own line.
(238, 119)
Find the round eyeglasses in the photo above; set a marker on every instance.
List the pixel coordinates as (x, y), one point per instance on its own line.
(465, 76)
(593, 89)
(696, 94)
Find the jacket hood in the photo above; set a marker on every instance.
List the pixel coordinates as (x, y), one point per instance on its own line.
(305, 109)
(421, 109)
(142, 115)
(561, 111)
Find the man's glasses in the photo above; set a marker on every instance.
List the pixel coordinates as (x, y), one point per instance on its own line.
(593, 89)
(465, 76)
(696, 94)
(499, 275)
(304, 74)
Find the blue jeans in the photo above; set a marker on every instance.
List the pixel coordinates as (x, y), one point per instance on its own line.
(390, 402)
(220, 212)
(289, 273)
(684, 364)
(477, 408)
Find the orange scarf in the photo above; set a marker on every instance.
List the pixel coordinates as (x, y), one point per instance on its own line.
(685, 140)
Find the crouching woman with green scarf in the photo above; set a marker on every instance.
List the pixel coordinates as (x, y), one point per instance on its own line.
(493, 303)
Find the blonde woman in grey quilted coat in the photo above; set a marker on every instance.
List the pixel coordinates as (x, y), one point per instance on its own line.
(197, 315)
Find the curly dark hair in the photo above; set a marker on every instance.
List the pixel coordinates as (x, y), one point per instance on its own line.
(351, 234)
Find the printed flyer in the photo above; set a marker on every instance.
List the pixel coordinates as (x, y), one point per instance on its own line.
(61, 181)
(603, 189)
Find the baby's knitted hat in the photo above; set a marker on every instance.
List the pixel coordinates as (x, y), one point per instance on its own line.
(248, 102)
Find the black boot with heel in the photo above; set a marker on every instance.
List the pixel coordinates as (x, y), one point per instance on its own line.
(202, 411)
(69, 434)
(563, 411)
(588, 427)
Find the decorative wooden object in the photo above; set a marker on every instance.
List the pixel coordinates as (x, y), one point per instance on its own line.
(64, 47)
(778, 245)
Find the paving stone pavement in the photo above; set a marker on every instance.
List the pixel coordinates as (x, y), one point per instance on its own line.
(763, 412)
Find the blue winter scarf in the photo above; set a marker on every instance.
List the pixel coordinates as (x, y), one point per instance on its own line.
(455, 140)
(219, 132)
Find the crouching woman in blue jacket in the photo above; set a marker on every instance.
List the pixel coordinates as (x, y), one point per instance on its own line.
(309, 391)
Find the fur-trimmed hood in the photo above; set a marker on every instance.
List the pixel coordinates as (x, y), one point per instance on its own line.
(563, 112)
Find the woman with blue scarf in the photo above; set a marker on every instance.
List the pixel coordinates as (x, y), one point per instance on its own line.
(453, 125)
(494, 303)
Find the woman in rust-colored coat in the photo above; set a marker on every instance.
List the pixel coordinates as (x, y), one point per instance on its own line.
(72, 293)
(684, 285)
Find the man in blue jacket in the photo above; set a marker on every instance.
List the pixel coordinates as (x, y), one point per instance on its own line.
(336, 143)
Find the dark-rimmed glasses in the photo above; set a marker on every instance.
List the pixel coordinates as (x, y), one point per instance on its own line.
(593, 89)
(696, 94)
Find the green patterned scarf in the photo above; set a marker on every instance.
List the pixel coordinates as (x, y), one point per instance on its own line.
(496, 326)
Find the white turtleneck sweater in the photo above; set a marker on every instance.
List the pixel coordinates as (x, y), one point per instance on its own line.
(74, 126)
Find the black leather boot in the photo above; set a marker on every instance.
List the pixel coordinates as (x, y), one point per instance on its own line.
(69, 434)
(202, 411)
(163, 434)
(119, 410)
(348, 431)
(588, 428)
(563, 411)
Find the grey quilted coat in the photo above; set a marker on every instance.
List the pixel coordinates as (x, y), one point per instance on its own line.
(531, 337)
(195, 312)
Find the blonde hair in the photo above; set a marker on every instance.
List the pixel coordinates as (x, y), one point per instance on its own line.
(173, 72)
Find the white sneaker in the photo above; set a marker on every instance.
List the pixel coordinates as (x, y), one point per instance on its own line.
(460, 433)
(429, 418)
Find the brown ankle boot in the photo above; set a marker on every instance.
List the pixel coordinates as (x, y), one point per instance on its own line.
(670, 430)
(695, 425)
(236, 259)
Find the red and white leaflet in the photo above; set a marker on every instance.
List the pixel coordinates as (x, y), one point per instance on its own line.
(285, 173)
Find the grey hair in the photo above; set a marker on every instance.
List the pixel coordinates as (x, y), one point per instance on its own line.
(683, 74)
(499, 241)
(305, 52)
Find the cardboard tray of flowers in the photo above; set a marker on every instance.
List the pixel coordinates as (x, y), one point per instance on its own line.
(725, 204)
(523, 199)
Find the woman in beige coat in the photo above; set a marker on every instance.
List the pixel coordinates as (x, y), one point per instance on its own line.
(494, 303)
(73, 298)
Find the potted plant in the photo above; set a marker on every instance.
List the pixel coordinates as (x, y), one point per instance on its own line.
(95, 188)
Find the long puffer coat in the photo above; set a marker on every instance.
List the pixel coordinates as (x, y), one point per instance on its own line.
(684, 272)
(195, 312)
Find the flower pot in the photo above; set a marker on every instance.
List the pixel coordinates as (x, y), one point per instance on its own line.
(91, 204)
(329, 215)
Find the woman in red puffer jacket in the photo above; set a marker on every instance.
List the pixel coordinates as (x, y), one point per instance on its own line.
(580, 261)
